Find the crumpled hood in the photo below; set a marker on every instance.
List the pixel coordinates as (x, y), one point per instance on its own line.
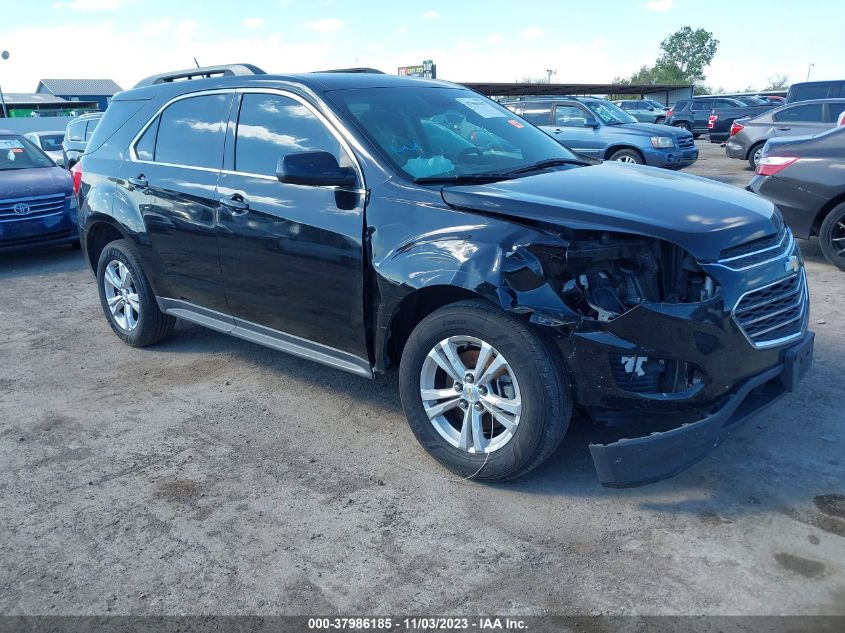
(701, 215)
(38, 181)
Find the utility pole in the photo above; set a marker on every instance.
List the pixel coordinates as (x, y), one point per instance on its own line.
(550, 72)
(809, 68)
(4, 55)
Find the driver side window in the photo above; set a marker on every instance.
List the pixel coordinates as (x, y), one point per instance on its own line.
(570, 116)
(271, 126)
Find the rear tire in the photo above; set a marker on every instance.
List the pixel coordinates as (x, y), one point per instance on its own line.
(127, 299)
(660, 120)
(832, 236)
(627, 156)
(528, 389)
(754, 155)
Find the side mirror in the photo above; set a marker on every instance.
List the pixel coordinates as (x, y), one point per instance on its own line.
(651, 108)
(591, 122)
(315, 169)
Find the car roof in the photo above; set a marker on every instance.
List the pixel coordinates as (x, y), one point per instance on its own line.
(316, 82)
(553, 98)
(45, 132)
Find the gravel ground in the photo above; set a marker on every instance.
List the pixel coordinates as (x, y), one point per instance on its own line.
(210, 475)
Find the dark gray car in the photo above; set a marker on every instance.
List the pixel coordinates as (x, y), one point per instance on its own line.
(748, 136)
(803, 177)
(76, 137)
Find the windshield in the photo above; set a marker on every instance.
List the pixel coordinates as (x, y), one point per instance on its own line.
(16, 152)
(52, 142)
(609, 113)
(447, 132)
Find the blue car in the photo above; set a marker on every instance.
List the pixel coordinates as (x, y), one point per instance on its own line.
(599, 129)
(37, 203)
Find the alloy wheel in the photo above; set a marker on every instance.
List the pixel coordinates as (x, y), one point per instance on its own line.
(470, 394)
(627, 159)
(121, 295)
(837, 238)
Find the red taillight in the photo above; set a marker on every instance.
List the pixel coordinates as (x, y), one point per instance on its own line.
(736, 127)
(669, 113)
(771, 165)
(76, 172)
(711, 120)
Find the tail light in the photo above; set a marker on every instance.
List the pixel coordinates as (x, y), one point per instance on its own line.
(711, 120)
(736, 127)
(76, 172)
(669, 112)
(771, 165)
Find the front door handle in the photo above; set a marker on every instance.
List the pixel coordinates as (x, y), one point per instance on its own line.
(236, 203)
(140, 182)
(784, 129)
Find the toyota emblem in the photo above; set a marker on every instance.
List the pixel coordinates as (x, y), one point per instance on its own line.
(21, 208)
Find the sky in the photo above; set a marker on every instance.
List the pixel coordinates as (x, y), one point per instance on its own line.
(469, 40)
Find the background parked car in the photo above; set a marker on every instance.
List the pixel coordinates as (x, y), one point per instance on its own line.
(694, 114)
(721, 120)
(597, 128)
(76, 137)
(810, 90)
(37, 205)
(803, 177)
(646, 110)
(50, 143)
(794, 119)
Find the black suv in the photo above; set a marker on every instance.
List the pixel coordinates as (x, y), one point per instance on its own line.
(694, 114)
(368, 221)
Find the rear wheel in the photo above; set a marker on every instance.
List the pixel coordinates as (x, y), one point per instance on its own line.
(127, 298)
(628, 156)
(832, 236)
(754, 155)
(483, 394)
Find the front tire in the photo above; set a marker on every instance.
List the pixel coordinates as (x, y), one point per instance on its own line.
(832, 236)
(483, 394)
(630, 156)
(127, 299)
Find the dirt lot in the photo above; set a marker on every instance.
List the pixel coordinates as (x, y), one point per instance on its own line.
(210, 475)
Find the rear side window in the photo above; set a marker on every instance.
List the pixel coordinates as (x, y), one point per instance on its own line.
(817, 91)
(809, 113)
(272, 126)
(538, 113)
(76, 131)
(146, 145)
(89, 130)
(835, 110)
(191, 131)
(702, 104)
(116, 115)
(680, 105)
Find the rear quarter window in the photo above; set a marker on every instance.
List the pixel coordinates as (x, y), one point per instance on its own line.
(116, 115)
(538, 113)
(807, 113)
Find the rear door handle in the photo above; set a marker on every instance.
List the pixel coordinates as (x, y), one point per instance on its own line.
(784, 129)
(140, 182)
(236, 203)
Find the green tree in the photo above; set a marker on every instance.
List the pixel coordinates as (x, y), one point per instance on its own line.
(689, 51)
(778, 82)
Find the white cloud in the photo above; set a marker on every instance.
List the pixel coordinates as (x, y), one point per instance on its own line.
(329, 25)
(532, 33)
(430, 15)
(91, 5)
(402, 30)
(495, 38)
(253, 23)
(186, 29)
(157, 27)
(658, 5)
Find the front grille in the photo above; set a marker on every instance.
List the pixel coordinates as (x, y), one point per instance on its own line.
(775, 313)
(757, 252)
(39, 207)
(686, 142)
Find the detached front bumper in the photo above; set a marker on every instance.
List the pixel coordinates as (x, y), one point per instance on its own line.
(643, 460)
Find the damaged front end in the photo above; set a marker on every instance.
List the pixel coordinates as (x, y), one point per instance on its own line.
(667, 354)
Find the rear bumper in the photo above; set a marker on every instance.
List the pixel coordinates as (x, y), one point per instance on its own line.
(735, 150)
(798, 206)
(643, 460)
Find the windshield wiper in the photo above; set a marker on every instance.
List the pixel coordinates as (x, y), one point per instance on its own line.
(543, 164)
(465, 178)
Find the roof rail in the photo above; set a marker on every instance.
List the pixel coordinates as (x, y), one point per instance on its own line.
(363, 69)
(205, 72)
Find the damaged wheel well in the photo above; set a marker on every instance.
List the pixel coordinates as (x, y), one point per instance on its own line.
(413, 309)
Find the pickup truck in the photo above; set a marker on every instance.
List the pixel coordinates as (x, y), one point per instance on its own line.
(720, 121)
